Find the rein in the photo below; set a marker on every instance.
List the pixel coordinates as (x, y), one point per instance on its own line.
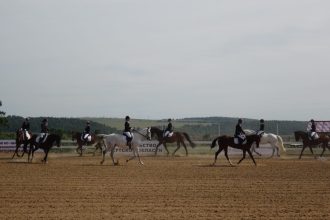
(145, 136)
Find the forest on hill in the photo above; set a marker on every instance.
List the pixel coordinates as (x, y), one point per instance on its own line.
(203, 128)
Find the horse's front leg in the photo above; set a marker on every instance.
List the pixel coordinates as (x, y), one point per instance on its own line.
(253, 149)
(216, 155)
(249, 152)
(112, 151)
(244, 153)
(156, 151)
(104, 151)
(46, 155)
(310, 147)
(136, 150)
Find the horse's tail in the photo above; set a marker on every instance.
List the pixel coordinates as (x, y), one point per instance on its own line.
(192, 144)
(280, 141)
(214, 142)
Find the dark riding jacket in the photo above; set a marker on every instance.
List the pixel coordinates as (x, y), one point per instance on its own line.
(262, 126)
(87, 129)
(26, 125)
(313, 129)
(127, 127)
(169, 127)
(239, 130)
(44, 127)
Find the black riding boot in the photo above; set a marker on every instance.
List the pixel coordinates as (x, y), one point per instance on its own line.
(129, 144)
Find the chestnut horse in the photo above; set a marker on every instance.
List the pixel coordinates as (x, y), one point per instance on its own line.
(19, 141)
(177, 137)
(46, 145)
(225, 141)
(94, 139)
(323, 139)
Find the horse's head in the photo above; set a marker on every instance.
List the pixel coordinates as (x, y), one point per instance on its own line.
(148, 133)
(156, 131)
(253, 138)
(58, 140)
(19, 135)
(296, 135)
(73, 135)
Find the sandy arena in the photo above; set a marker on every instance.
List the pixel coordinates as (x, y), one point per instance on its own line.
(72, 187)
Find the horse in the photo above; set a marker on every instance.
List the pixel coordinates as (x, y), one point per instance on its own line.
(112, 141)
(46, 145)
(177, 137)
(94, 139)
(20, 139)
(323, 139)
(274, 140)
(224, 141)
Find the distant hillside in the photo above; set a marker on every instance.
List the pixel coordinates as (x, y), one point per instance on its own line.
(198, 128)
(208, 127)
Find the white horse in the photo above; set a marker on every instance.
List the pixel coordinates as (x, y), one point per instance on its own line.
(268, 138)
(112, 141)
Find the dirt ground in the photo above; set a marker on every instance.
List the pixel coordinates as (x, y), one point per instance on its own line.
(72, 187)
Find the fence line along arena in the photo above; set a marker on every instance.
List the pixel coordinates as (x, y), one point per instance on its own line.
(185, 186)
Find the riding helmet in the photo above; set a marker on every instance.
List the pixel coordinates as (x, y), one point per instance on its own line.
(262, 120)
(240, 120)
(312, 120)
(127, 118)
(169, 120)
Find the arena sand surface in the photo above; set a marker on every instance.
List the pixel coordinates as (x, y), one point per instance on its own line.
(71, 187)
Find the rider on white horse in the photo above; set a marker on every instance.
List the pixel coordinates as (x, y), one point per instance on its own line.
(239, 133)
(128, 132)
(312, 131)
(261, 130)
(86, 134)
(169, 130)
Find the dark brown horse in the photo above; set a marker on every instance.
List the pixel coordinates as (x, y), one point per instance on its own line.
(177, 137)
(225, 141)
(322, 140)
(21, 140)
(94, 139)
(46, 145)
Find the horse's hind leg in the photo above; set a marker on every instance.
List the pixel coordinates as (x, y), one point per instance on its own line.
(111, 154)
(156, 151)
(185, 147)
(216, 155)
(178, 147)
(302, 150)
(226, 154)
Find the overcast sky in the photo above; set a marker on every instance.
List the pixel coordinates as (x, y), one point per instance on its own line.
(166, 58)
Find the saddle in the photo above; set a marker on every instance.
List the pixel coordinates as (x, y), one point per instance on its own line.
(86, 137)
(236, 141)
(44, 135)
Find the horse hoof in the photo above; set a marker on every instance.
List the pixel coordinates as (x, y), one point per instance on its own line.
(142, 163)
(101, 162)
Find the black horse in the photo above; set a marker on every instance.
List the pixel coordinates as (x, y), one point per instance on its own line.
(177, 137)
(322, 140)
(46, 145)
(225, 141)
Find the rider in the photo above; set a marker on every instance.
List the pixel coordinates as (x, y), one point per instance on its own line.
(239, 133)
(312, 131)
(26, 128)
(127, 132)
(86, 132)
(44, 130)
(261, 130)
(169, 129)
